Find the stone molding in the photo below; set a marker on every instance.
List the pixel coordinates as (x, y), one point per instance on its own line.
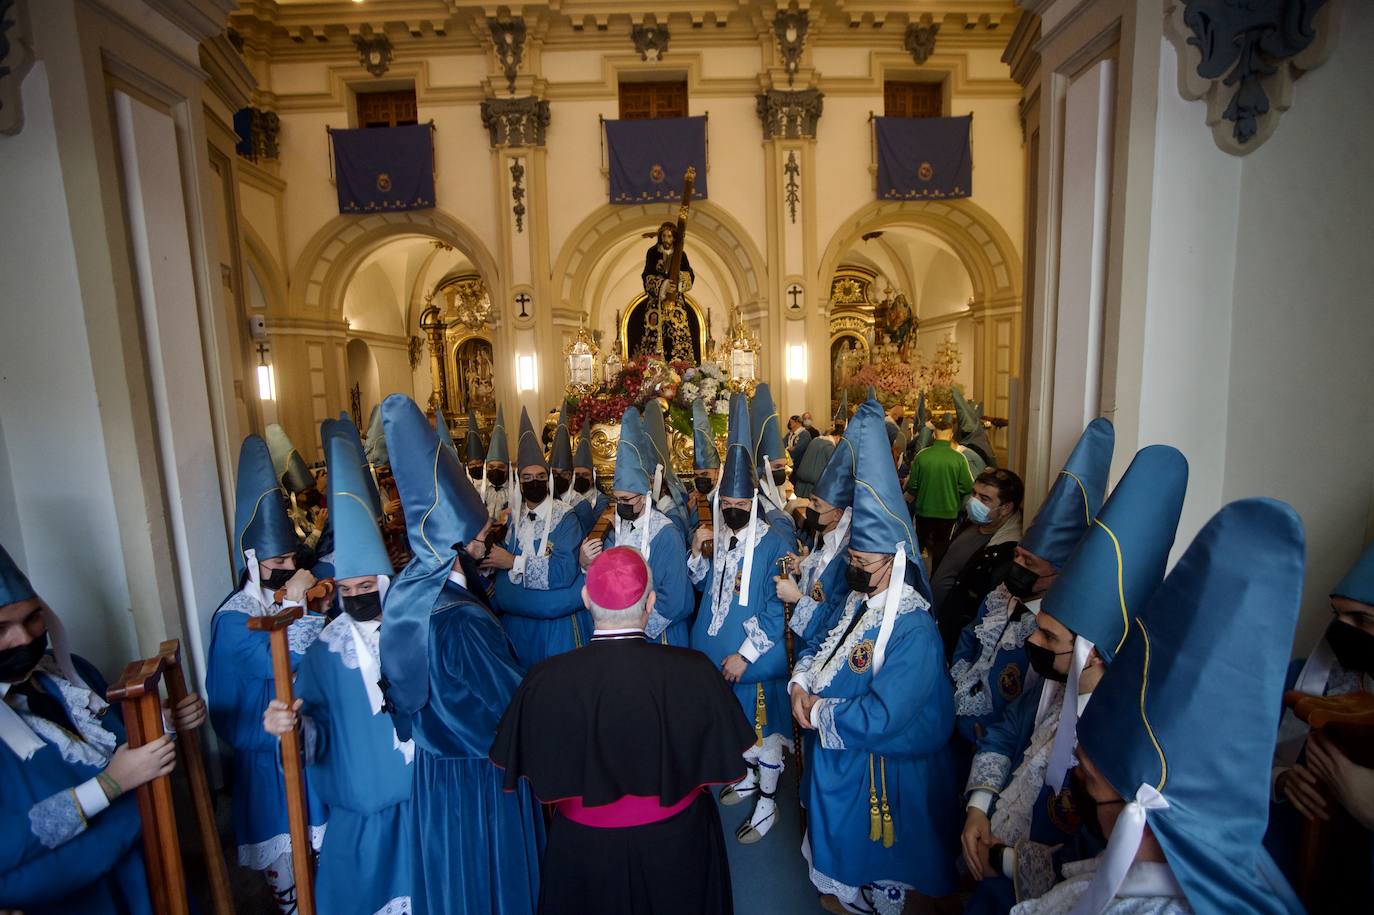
(789, 115)
(515, 121)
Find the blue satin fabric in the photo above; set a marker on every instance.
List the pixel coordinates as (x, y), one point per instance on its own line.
(672, 585)
(97, 872)
(903, 715)
(478, 847)
(1006, 678)
(552, 621)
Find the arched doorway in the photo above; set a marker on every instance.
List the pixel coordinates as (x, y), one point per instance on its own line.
(364, 389)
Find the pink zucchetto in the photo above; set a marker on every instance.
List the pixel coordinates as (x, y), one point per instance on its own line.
(617, 579)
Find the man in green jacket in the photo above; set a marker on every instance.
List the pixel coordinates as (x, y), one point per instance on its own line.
(939, 483)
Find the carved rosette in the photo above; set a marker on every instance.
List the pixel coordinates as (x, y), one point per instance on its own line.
(515, 121)
(788, 115)
(1243, 58)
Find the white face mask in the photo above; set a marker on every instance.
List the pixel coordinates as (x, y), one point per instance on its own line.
(977, 512)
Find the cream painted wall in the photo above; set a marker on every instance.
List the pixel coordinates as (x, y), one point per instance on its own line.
(49, 407)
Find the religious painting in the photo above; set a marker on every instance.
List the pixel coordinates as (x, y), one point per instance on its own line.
(473, 379)
(848, 354)
(633, 329)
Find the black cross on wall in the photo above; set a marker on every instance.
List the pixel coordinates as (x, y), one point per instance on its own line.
(794, 292)
(523, 299)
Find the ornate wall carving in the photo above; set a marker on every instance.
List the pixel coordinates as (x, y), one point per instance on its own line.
(789, 115)
(374, 52)
(920, 40)
(515, 121)
(508, 40)
(1243, 58)
(651, 41)
(789, 27)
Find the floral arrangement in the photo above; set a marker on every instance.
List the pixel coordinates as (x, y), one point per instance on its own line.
(897, 382)
(638, 380)
(707, 382)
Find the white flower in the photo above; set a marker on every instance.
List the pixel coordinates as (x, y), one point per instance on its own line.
(722, 406)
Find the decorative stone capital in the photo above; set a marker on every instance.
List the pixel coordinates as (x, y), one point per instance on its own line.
(788, 115)
(15, 59)
(1243, 59)
(515, 121)
(651, 41)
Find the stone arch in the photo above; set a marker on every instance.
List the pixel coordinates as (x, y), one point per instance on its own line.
(979, 241)
(710, 225)
(325, 266)
(264, 267)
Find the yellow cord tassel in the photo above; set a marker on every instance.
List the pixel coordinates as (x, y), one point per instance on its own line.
(760, 716)
(889, 828)
(875, 828)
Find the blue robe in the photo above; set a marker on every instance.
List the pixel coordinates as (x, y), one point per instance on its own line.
(895, 724)
(478, 847)
(989, 666)
(543, 612)
(824, 593)
(1055, 836)
(366, 860)
(589, 509)
(52, 860)
(760, 624)
(670, 621)
(239, 685)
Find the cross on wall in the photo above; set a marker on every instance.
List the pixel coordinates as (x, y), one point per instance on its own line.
(523, 299)
(794, 292)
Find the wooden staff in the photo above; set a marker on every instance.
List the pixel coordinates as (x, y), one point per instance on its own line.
(137, 691)
(192, 760)
(679, 239)
(785, 569)
(603, 523)
(296, 813)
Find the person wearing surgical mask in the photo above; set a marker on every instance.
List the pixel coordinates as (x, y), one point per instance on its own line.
(980, 552)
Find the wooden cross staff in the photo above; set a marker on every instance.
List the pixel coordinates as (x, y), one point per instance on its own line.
(137, 691)
(192, 760)
(297, 816)
(785, 569)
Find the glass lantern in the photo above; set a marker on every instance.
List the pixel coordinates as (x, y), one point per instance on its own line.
(580, 358)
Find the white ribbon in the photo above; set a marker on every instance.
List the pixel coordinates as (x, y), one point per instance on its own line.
(1066, 737)
(1121, 850)
(720, 546)
(896, 584)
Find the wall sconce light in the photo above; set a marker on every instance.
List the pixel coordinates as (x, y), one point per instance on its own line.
(796, 362)
(526, 376)
(267, 388)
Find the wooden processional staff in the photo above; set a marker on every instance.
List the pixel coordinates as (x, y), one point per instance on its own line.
(292, 767)
(785, 569)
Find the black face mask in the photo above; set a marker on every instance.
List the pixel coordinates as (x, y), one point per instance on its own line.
(277, 578)
(18, 662)
(703, 484)
(811, 523)
(560, 485)
(1042, 662)
(1020, 581)
(858, 578)
(497, 477)
(1085, 808)
(534, 491)
(735, 518)
(582, 484)
(1353, 647)
(475, 472)
(780, 476)
(363, 607)
(626, 512)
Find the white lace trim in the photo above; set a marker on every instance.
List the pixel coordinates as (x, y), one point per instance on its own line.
(261, 855)
(872, 615)
(802, 613)
(888, 897)
(338, 636)
(825, 724)
(1034, 869)
(756, 636)
(92, 744)
(656, 624)
(300, 635)
(1011, 820)
(398, 906)
(656, 522)
(988, 772)
(972, 690)
(729, 567)
(57, 819)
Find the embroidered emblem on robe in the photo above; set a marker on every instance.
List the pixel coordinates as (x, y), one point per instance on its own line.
(861, 657)
(548, 548)
(739, 579)
(1062, 815)
(817, 594)
(1009, 682)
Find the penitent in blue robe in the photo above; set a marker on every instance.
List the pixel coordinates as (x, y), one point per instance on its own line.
(669, 623)
(52, 860)
(588, 508)
(893, 725)
(542, 612)
(239, 685)
(724, 627)
(989, 666)
(824, 593)
(478, 846)
(366, 862)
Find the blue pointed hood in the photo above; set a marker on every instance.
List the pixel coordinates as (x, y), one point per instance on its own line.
(561, 457)
(442, 511)
(343, 426)
(704, 453)
(441, 430)
(924, 434)
(812, 465)
(376, 440)
(1075, 498)
(881, 519)
(968, 426)
(656, 430)
(582, 458)
(291, 470)
(836, 484)
(634, 460)
(358, 546)
(473, 449)
(529, 453)
(737, 477)
(260, 521)
(763, 420)
(1358, 583)
(1190, 708)
(14, 584)
(1121, 561)
(498, 450)
(842, 412)
(279, 445)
